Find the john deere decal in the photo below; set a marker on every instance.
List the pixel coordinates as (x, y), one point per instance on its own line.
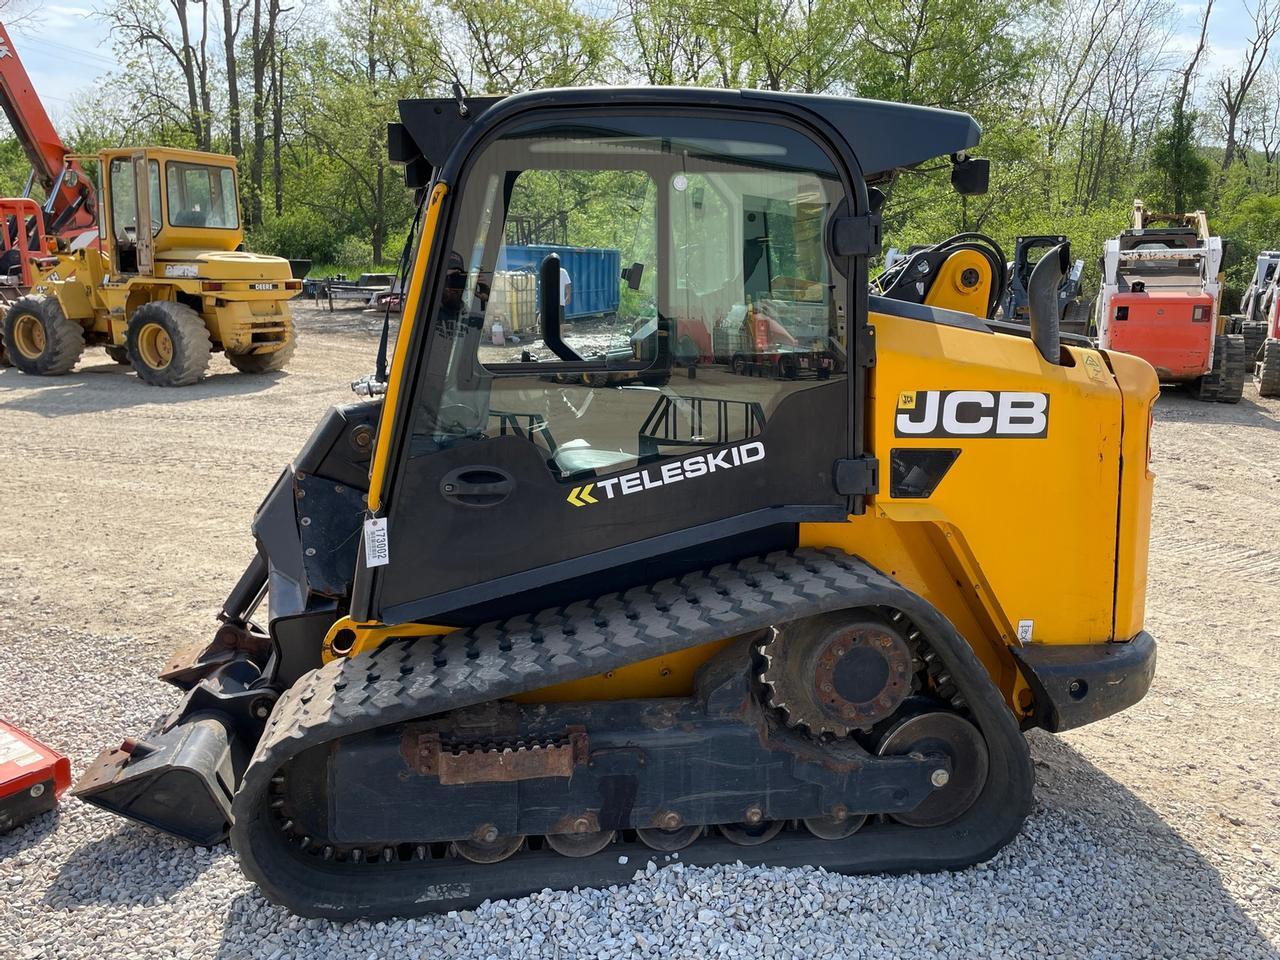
(972, 413)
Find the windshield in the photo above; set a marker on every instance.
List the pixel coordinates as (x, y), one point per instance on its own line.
(201, 195)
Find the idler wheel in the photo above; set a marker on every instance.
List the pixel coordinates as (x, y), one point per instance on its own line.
(835, 827)
(667, 841)
(580, 844)
(751, 834)
(488, 846)
(941, 734)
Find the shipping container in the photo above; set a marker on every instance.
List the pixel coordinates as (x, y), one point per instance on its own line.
(595, 272)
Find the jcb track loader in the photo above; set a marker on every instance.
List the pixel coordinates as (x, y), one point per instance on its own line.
(534, 622)
(167, 283)
(1161, 299)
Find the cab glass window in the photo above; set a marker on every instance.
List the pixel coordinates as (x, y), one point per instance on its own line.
(201, 195)
(693, 296)
(124, 198)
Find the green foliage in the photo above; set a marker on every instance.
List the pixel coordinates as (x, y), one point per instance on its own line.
(354, 253)
(1074, 104)
(1178, 178)
(301, 234)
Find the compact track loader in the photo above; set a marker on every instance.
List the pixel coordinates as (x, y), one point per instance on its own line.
(536, 620)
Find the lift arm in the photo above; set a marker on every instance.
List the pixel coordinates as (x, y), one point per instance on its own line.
(70, 206)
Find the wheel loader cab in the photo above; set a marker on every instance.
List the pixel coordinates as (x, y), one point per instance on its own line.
(161, 200)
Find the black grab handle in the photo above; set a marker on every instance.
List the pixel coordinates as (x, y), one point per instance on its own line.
(477, 486)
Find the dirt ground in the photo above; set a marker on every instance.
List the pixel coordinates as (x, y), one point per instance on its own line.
(126, 518)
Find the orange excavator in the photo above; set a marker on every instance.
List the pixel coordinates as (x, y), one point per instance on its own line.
(69, 212)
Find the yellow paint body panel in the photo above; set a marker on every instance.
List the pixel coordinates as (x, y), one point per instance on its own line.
(1019, 535)
(399, 361)
(950, 291)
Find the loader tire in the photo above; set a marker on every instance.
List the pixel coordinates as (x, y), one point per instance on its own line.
(1269, 369)
(39, 339)
(264, 362)
(1255, 334)
(119, 354)
(168, 344)
(1225, 382)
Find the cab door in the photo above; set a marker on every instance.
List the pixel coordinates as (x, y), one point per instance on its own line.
(521, 467)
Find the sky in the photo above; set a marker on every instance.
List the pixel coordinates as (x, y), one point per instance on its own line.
(66, 50)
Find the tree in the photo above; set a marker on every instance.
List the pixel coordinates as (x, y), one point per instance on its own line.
(145, 24)
(1233, 87)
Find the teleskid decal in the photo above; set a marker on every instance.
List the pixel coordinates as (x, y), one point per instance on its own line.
(972, 413)
(650, 478)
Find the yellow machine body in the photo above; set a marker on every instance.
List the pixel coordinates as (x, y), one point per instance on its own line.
(242, 297)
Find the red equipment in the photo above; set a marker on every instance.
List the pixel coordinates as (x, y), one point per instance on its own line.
(32, 777)
(1159, 301)
(70, 208)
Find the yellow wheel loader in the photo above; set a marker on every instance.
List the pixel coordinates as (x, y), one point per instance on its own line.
(538, 619)
(165, 284)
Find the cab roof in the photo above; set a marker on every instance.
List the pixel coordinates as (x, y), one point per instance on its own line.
(885, 137)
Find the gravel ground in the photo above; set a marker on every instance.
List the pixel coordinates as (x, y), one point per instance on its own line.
(1155, 834)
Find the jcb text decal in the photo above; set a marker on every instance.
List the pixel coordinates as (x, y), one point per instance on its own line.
(971, 413)
(667, 474)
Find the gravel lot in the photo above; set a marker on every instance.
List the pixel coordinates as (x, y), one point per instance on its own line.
(1156, 833)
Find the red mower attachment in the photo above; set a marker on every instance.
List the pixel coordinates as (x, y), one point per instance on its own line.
(32, 777)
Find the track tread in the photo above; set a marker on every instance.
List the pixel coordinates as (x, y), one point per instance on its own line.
(406, 679)
(1225, 382)
(1269, 369)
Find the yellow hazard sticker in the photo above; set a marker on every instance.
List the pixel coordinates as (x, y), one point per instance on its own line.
(1093, 367)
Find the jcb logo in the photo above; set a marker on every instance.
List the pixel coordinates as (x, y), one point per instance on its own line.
(971, 413)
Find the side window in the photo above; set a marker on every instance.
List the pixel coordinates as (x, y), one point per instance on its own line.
(124, 198)
(695, 295)
(596, 222)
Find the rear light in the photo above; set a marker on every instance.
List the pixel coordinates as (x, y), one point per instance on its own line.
(211, 286)
(1122, 313)
(293, 284)
(1198, 313)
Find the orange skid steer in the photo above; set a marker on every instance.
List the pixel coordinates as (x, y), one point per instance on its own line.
(1160, 301)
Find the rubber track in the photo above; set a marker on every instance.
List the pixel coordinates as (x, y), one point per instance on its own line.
(408, 679)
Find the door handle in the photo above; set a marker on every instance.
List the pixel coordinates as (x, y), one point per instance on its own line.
(477, 486)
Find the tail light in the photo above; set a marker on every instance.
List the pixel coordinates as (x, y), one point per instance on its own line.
(293, 284)
(1199, 313)
(1122, 313)
(211, 286)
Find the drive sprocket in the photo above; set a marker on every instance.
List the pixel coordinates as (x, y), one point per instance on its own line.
(835, 674)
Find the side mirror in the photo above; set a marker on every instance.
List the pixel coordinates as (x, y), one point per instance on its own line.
(549, 307)
(971, 176)
(1042, 301)
(633, 275)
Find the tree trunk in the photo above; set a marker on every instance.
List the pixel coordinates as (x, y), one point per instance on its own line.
(230, 29)
(277, 131)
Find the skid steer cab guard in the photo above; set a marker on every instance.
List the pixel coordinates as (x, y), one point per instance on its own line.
(540, 606)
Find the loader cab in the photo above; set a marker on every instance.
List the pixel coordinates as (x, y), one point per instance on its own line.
(723, 405)
(161, 200)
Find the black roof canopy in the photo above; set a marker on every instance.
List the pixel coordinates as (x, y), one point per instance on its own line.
(884, 136)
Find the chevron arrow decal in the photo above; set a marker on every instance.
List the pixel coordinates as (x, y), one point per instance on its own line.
(581, 496)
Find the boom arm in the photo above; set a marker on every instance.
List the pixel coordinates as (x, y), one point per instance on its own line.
(69, 206)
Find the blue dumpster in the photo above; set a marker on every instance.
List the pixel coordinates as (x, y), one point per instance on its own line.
(595, 272)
